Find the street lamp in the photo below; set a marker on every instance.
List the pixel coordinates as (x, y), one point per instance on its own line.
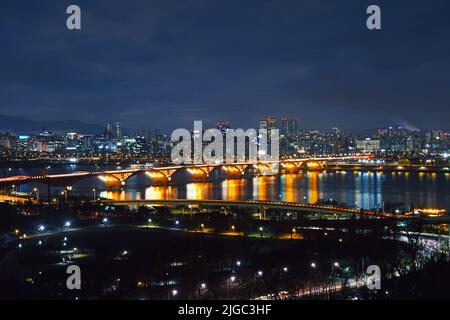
(293, 231)
(231, 279)
(94, 194)
(313, 266)
(36, 191)
(68, 189)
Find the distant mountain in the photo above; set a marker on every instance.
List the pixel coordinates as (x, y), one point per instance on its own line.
(23, 125)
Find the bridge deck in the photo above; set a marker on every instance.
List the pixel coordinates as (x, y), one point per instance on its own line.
(292, 206)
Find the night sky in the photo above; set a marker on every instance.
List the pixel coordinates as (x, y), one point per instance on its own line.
(163, 64)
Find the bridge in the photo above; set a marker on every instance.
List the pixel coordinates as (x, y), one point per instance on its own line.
(198, 172)
(261, 205)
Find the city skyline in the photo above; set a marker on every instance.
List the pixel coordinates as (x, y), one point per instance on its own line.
(166, 65)
(252, 156)
(99, 127)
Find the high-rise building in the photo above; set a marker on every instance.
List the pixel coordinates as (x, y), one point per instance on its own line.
(284, 127)
(268, 123)
(293, 127)
(109, 130)
(336, 132)
(117, 130)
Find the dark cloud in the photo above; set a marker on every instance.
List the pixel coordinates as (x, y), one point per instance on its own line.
(162, 64)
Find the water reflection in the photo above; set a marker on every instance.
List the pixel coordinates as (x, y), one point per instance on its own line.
(313, 187)
(288, 187)
(199, 190)
(117, 195)
(234, 189)
(265, 188)
(363, 189)
(160, 193)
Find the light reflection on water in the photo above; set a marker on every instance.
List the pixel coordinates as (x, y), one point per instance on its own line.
(363, 189)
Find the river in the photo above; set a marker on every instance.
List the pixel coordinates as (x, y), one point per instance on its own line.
(361, 189)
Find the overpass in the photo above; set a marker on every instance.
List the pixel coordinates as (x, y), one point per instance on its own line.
(198, 172)
(262, 205)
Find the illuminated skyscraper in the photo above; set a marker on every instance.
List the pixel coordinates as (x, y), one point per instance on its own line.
(293, 127)
(284, 127)
(109, 130)
(117, 130)
(268, 123)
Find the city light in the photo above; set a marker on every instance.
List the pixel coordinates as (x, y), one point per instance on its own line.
(222, 151)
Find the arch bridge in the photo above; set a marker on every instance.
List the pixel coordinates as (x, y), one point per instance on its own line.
(198, 172)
